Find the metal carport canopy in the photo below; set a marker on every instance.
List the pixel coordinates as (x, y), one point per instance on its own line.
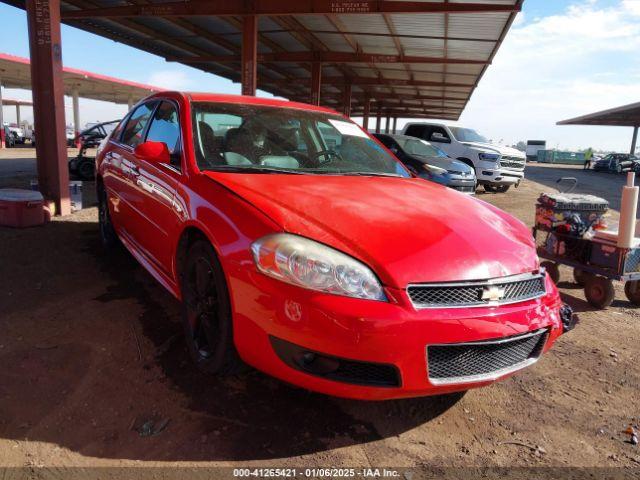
(624, 116)
(15, 72)
(407, 57)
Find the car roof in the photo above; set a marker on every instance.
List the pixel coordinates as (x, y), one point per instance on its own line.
(243, 99)
(437, 124)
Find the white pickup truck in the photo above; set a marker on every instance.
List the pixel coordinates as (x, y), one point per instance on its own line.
(497, 167)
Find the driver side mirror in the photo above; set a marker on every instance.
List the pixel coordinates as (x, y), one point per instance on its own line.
(438, 137)
(153, 152)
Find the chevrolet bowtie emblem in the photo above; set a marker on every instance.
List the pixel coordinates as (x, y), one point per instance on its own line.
(493, 293)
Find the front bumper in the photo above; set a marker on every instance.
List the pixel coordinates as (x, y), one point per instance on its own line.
(466, 184)
(390, 333)
(463, 184)
(499, 176)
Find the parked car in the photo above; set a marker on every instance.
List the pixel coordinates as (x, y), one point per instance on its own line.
(325, 265)
(497, 167)
(93, 134)
(617, 162)
(429, 162)
(9, 138)
(17, 133)
(82, 164)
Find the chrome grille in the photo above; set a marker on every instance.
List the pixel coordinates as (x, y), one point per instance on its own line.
(512, 162)
(497, 291)
(485, 360)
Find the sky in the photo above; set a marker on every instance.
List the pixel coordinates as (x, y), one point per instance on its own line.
(561, 59)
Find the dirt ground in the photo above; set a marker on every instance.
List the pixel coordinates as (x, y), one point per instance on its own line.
(91, 354)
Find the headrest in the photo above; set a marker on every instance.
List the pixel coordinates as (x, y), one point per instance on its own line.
(285, 137)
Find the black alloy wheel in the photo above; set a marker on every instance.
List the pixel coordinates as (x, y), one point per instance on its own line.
(206, 312)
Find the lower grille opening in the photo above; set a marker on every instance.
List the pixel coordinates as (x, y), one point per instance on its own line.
(485, 360)
(466, 189)
(335, 368)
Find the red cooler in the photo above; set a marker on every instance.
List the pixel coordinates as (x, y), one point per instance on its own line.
(21, 208)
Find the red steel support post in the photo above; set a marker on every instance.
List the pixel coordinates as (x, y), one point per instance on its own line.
(387, 124)
(43, 18)
(316, 82)
(395, 125)
(378, 120)
(346, 102)
(2, 139)
(367, 112)
(249, 55)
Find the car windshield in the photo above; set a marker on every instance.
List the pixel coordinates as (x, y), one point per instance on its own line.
(419, 147)
(261, 139)
(467, 135)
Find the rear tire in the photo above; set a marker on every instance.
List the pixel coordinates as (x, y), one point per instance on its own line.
(552, 269)
(632, 291)
(599, 292)
(108, 235)
(206, 312)
(86, 170)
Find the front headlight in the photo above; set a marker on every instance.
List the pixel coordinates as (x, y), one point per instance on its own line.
(434, 170)
(488, 157)
(303, 262)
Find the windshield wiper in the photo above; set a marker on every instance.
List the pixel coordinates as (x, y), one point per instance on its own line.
(370, 174)
(256, 169)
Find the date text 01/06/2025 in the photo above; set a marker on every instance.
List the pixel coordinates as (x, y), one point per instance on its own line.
(316, 472)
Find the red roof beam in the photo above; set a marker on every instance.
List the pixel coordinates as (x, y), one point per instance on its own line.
(385, 82)
(329, 57)
(291, 7)
(380, 96)
(368, 34)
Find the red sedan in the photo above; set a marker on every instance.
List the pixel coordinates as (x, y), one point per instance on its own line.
(301, 246)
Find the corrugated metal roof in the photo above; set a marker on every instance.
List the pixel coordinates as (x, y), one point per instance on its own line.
(624, 116)
(16, 73)
(407, 73)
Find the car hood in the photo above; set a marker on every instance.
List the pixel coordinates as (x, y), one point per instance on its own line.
(407, 230)
(501, 149)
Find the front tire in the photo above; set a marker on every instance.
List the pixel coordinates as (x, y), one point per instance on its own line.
(206, 312)
(496, 188)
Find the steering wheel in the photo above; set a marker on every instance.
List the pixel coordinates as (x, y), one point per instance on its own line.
(328, 154)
